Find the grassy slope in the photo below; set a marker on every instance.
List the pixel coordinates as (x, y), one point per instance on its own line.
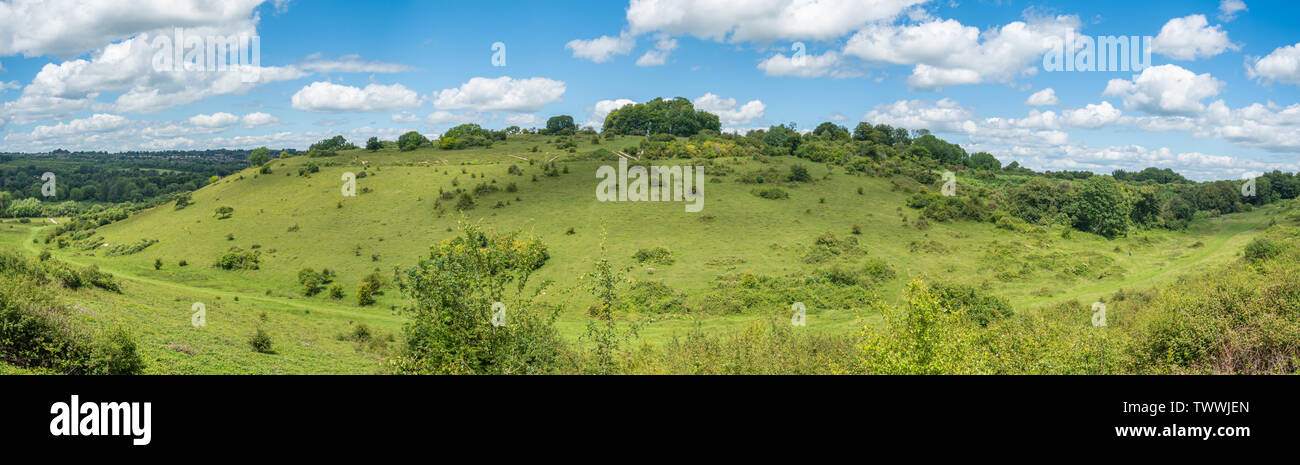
(396, 222)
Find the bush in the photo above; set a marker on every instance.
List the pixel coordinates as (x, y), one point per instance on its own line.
(452, 292)
(772, 193)
(656, 255)
(336, 291)
(366, 293)
(798, 173)
(261, 342)
(1262, 249)
(237, 259)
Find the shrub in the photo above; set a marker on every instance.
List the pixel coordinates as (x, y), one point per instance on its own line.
(798, 173)
(656, 255)
(261, 342)
(1262, 249)
(452, 292)
(336, 291)
(237, 259)
(157, 263)
(772, 193)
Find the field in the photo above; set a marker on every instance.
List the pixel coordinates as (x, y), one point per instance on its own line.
(299, 219)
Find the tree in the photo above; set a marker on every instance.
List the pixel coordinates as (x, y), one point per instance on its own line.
(259, 156)
(676, 116)
(1100, 206)
(332, 144)
(410, 141)
(454, 293)
(373, 144)
(831, 131)
(984, 161)
(561, 125)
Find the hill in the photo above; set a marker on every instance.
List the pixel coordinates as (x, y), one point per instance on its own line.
(835, 242)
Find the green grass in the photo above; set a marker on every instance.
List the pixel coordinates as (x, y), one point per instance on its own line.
(395, 222)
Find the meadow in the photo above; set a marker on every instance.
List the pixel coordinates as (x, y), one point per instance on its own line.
(845, 244)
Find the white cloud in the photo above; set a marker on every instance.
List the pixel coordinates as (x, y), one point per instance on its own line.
(98, 123)
(1092, 116)
(61, 89)
(352, 64)
(807, 66)
(601, 49)
(1165, 90)
(215, 120)
(522, 119)
(438, 118)
(659, 55)
(603, 108)
(1282, 65)
(71, 27)
(257, 119)
(1043, 98)
(947, 53)
(727, 111)
(501, 94)
(1228, 9)
(405, 117)
(1191, 37)
(327, 97)
(760, 20)
(943, 116)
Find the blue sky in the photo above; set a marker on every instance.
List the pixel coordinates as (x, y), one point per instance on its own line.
(1219, 102)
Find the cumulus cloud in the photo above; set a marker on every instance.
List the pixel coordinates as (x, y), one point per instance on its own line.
(1228, 9)
(1191, 37)
(68, 28)
(126, 68)
(603, 48)
(760, 20)
(1282, 65)
(1165, 90)
(1042, 98)
(351, 64)
(327, 97)
(98, 123)
(259, 119)
(946, 115)
(439, 118)
(659, 55)
(727, 111)
(603, 108)
(501, 94)
(828, 64)
(215, 120)
(946, 53)
(1092, 116)
(405, 117)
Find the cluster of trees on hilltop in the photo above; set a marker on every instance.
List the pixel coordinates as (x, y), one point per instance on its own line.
(677, 117)
(1011, 196)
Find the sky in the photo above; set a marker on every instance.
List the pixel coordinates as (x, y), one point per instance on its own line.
(1217, 98)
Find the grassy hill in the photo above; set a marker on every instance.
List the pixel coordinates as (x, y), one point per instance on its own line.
(732, 264)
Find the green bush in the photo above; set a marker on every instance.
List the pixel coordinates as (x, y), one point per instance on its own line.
(261, 342)
(655, 255)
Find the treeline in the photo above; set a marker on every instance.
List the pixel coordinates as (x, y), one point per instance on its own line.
(1010, 196)
(84, 179)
